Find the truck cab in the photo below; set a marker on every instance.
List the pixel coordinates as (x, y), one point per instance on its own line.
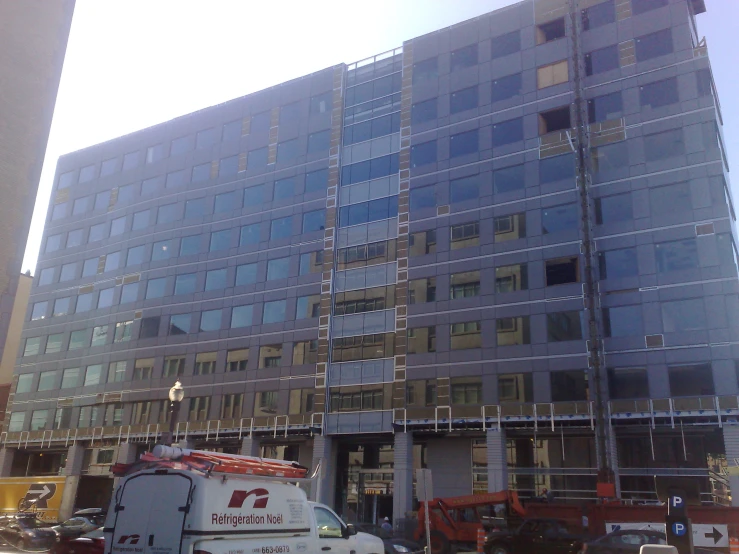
(185, 505)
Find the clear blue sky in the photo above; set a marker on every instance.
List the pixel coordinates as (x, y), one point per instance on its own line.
(134, 63)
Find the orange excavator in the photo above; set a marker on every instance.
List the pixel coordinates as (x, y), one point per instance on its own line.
(454, 521)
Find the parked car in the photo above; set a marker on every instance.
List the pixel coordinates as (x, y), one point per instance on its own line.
(89, 543)
(26, 532)
(628, 541)
(543, 536)
(393, 545)
(81, 522)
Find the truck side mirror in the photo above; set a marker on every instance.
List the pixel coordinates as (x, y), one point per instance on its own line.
(349, 530)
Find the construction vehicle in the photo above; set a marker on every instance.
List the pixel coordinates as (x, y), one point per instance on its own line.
(454, 521)
(178, 501)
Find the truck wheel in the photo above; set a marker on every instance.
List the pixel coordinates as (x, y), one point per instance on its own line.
(498, 549)
(439, 543)
(21, 544)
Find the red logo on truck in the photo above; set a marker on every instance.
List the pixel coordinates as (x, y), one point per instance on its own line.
(130, 539)
(261, 496)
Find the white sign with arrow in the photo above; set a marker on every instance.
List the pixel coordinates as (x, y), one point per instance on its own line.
(704, 534)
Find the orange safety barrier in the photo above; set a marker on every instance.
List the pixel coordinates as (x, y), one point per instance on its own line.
(734, 545)
(480, 540)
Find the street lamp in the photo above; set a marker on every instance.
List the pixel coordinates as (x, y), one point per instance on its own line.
(176, 394)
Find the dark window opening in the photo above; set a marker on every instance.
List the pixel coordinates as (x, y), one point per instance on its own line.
(609, 209)
(561, 271)
(547, 32)
(599, 61)
(599, 15)
(691, 380)
(661, 93)
(602, 108)
(628, 383)
(554, 120)
(464, 57)
(569, 386)
(653, 45)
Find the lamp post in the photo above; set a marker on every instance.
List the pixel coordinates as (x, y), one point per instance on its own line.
(176, 394)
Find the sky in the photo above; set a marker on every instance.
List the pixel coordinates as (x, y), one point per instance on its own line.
(131, 64)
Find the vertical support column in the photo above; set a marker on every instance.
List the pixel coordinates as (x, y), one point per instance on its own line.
(731, 444)
(72, 471)
(322, 489)
(497, 460)
(402, 478)
(612, 452)
(250, 446)
(127, 454)
(6, 460)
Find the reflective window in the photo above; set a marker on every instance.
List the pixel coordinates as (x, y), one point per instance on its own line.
(670, 199)
(112, 261)
(628, 383)
(154, 153)
(167, 213)
(46, 276)
(677, 255)
(617, 264)
(179, 325)
(161, 250)
(366, 212)
(241, 316)
(68, 272)
(66, 180)
(174, 179)
(278, 269)
(84, 303)
(149, 327)
(321, 103)
(74, 238)
(260, 123)
(273, 312)
(284, 188)
(507, 132)
(319, 142)
(308, 306)
(316, 180)
(215, 279)
(610, 157)
(559, 218)
(424, 197)
(465, 335)
(206, 138)
(61, 306)
(249, 234)
(369, 169)
(506, 87)
(151, 186)
(97, 232)
(666, 144)
(602, 108)
(305, 352)
(246, 274)
(32, 346)
(704, 82)
(424, 153)
(557, 168)
(140, 220)
(466, 391)
(610, 209)
(513, 331)
(289, 113)
(424, 111)
(464, 57)
(623, 321)
(185, 284)
(563, 326)
(467, 188)
(653, 45)
(93, 375)
(599, 15)
(287, 151)
(463, 143)
(257, 159)
(509, 179)
(82, 205)
(39, 310)
(599, 61)
(660, 93)
(465, 99)
(190, 245)
(684, 315)
(130, 160)
(228, 166)
(569, 386)
(281, 228)
(691, 380)
(504, 45)
(220, 240)
(87, 173)
(105, 298)
(181, 145)
(311, 262)
(231, 131)
(464, 285)
(254, 196)
(123, 331)
(102, 200)
(59, 211)
(425, 70)
(201, 172)
(135, 255)
(210, 320)
(195, 208)
(53, 243)
(129, 293)
(314, 221)
(54, 343)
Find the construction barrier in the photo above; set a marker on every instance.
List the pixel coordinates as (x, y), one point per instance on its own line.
(480, 540)
(733, 545)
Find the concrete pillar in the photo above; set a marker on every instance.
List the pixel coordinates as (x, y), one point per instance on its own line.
(322, 489)
(66, 505)
(73, 466)
(497, 460)
(250, 446)
(731, 444)
(127, 454)
(403, 477)
(6, 460)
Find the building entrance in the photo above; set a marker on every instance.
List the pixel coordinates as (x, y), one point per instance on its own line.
(364, 485)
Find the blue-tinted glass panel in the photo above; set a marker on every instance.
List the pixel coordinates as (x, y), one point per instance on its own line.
(559, 218)
(241, 316)
(273, 312)
(246, 274)
(117, 226)
(602, 108)
(176, 179)
(424, 197)
(81, 205)
(321, 103)
(617, 264)
(167, 213)
(463, 143)
(504, 45)
(464, 57)
(228, 166)
(660, 93)
(97, 232)
(465, 99)
(231, 131)
(507, 132)
(152, 185)
(254, 197)
(677, 255)
(190, 245)
(162, 250)
(610, 209)
(509, 179)
(666, 144)
(281, 228)
(260, 123)
(278, 269)
(319, 142)
(129, 293)
(314, 221)
(195, 208)
(684, 315)
(220, 240)
(201, 173)
(181, 145)
(425, 70)
(227, 202)
(210, 320)
(623, 321)
(206, 138)
(424, 111)
(257, 159)
(461, 190)
(316, 180)
(599, 61)
(90, 267)
(185, 284)
(140, 220)
(653, 45)
(289, 113)
(506, 87)
(179, 324)
(284, 188)
(424, 153)
(135, 255)
(74, 238)
(287, 151)
(102, 200)
(670, 199)
(112, 261)
(599, 15)
(557, 168)
(249, 234)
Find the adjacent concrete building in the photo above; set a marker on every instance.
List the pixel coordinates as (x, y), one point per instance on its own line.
(504, 251)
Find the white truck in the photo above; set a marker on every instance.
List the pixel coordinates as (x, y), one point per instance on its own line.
(178, 501)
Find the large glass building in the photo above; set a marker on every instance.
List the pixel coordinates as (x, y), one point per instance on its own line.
(504, 252)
